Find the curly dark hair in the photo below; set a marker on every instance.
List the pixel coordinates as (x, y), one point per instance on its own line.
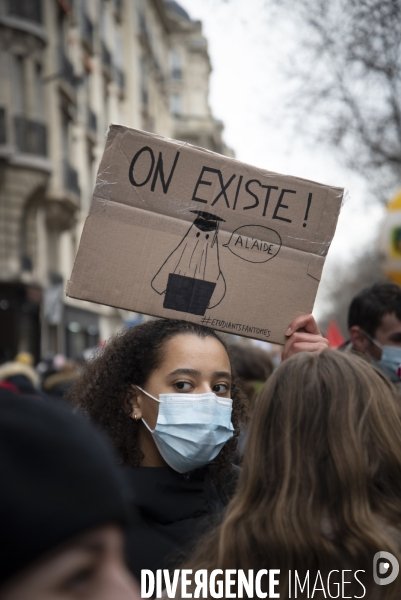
(104, 387)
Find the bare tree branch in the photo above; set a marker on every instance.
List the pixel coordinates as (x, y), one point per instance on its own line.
(349, 80)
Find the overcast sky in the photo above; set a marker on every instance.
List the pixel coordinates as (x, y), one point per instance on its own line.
(248, 90)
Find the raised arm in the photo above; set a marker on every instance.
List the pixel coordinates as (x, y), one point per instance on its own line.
(304, 336)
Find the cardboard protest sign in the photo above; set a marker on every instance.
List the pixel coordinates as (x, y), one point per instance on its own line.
(180, 232)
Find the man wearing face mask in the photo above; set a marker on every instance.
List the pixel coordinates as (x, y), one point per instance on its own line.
(374, 322)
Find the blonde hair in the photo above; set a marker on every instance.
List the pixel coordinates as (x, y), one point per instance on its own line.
(320, 487)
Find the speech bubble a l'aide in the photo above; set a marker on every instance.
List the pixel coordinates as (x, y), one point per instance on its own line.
(254, 243)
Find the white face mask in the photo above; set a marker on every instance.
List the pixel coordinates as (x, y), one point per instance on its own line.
(191, 429)
(390, 361)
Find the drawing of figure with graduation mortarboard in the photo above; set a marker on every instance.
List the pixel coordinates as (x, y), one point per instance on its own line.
(191, 278)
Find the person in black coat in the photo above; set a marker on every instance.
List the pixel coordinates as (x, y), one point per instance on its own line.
(63, 507)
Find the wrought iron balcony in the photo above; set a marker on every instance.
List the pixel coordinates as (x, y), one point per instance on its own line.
(66, 68)
(71, 178)
(30, 136)
(106, 57)
(144, 96)
(31, 10)
(118, 7)
(91, 120)
(3, 131)
(120, 78)
(143, 28)
(87, 30)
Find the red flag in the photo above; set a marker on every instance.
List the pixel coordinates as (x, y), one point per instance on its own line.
(334, 335)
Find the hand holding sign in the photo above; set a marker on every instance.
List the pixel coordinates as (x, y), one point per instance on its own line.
(304, 336)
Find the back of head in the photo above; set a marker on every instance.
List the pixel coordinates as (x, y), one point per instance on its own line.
(58, 481)
(253, 365)
(320, 487)
(25, 358)
(251, 362)
(371, 304)
(328, 426)
(22, 375)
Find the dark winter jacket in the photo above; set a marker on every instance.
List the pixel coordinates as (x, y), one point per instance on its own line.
(175, 510)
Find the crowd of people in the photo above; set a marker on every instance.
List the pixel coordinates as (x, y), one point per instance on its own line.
(136, 468)
(51, 378)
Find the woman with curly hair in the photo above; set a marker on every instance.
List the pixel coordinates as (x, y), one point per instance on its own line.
(166, 395)
(319, 494)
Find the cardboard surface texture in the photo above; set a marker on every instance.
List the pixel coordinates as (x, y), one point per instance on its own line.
(180, 232)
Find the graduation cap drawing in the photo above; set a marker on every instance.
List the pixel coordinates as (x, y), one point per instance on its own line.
(206, 221)
(190, 277)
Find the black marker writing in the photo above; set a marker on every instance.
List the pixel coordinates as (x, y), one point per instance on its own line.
(269, 189)
(237, 192)
(214, 188)
(223, 189)
(133, 163)
(202, 182)
(248, 183)
(307, 208)
(159, 171)
(281, 205)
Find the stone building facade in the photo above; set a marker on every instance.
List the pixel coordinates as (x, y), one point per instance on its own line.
(69, 68)
(189, 72)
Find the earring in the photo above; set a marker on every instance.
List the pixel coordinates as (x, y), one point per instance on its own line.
(135, 417)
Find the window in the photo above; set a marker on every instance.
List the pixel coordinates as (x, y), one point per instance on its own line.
(118, 47)
(65, 134)
(90, 161)
(18, 85)
(53, 244)
(175, 104)
(143, 80)
(104, 22)
(106, 104)
(39, 100)
(62, 26)
(175, 65)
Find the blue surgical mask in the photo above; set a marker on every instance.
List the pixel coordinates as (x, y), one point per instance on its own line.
(191, 429)
(390, 360)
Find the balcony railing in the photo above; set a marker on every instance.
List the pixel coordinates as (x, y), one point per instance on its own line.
(120, 77)
(91, 120)
(87, 30)
(144, 96)
(31, 10)
(118, 5)
(142, 23)
(66, 68)
(143, 28)
(31, 137)
(3, 131)
(71, 178)
(106, 57)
